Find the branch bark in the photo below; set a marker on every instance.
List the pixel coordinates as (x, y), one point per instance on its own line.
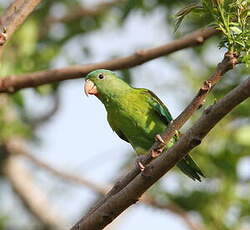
(13, 83)
(14, 16)
(103, 215)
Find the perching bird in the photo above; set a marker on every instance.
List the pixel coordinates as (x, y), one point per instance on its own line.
(137, 115)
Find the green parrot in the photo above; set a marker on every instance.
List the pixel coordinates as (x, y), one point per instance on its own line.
(137, 115)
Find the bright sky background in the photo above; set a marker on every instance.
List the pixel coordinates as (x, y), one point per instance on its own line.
(78, 138)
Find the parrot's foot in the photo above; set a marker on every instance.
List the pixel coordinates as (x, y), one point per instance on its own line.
(139, 164)
(159, 138)
(157, 151)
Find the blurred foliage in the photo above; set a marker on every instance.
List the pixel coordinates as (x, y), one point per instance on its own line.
(2, 222)
(222, 201)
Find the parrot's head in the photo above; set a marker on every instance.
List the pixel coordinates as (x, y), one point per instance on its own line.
(104, 83)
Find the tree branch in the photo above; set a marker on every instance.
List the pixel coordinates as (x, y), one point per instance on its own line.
(103, 215)
(13, 83)
(13, 17)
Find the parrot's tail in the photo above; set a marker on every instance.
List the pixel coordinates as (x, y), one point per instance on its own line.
(190, 168)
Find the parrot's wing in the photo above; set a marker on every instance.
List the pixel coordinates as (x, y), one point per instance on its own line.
(116, 130)
(187, 164)
(159, 107)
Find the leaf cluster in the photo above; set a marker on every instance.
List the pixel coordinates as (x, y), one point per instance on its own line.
(232, 17)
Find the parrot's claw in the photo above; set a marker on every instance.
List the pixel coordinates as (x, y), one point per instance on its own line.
(159, 138)
(156, 152)
(139, 164)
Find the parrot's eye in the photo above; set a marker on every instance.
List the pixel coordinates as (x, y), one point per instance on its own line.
(101, 76)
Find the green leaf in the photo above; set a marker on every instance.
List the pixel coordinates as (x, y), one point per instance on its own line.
(236, 30)
(184, 12)
(240, 43)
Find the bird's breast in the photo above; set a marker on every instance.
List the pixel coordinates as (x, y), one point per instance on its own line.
(137, 121)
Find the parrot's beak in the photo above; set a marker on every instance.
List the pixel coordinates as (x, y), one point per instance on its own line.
(90, 88)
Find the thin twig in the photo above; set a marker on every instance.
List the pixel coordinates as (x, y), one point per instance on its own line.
(161, 165)
(13, 83)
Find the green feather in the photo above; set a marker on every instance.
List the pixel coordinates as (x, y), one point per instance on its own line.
(159, 107)
(137, 115)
